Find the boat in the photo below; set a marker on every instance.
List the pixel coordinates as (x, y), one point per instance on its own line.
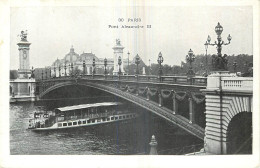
(80, 115)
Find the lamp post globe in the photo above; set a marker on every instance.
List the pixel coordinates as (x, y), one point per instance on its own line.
(208, 39)
(218, 29)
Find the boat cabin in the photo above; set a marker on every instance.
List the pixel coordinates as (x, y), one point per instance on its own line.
(92, 111)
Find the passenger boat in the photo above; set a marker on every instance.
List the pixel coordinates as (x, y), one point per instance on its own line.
(80, 115)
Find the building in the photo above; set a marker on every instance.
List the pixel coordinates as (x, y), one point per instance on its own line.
(77, 60)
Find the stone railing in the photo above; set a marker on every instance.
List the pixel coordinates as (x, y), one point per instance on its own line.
(237, 83)
(202, 81)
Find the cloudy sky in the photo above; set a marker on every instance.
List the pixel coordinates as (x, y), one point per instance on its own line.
(174, 30)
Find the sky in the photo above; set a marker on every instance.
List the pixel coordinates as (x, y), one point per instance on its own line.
(174, 30)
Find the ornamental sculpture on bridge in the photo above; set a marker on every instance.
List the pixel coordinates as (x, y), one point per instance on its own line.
(23, 35)
(118, 42)
(219, 62)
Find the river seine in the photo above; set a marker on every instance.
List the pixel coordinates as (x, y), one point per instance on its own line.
(120, 138)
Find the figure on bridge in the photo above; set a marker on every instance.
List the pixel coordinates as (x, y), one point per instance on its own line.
(118, 42)
(23, 35)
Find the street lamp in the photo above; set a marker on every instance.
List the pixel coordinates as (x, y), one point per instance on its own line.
(54, 71)
(119, 64)
(235, 67)
(128, 63)
(181, 67)
(84, 67)
(46, 73)
(201, 66)
(42, 74)
(105, 64)
(190, 58)
(219, 63)
(160, 61)
(50, 72)
(59, 71)
(149, 67)
(206, 47)
(71, 66)
(32, 75)
(65, 67)
(93, 66)
(137, 62)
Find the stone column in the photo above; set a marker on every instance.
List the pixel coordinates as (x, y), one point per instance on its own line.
(88, 70)
(175, 104)
(118, 51)
(153, 144)
(147, 95)
(137, 90)
(160, 99)
(191, 111)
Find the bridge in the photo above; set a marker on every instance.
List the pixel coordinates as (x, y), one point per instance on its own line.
(207, 107)
(162, 96)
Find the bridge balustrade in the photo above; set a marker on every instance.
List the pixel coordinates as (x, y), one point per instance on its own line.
(202, 81)
(237, 83)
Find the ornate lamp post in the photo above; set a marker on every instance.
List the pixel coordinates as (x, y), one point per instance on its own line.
(54, 71)
(50, 72)
(84, 67)
(149, 67)
(235, 67)
(160, 61)
(32, 76)
(46, 73)
(219, 63)
(182, 67)
(42, 74)
(190, 58)
(65, 68)
(119, 64)
(206, 47)
(93, 65)
(128, 63)
(137, 62)
(201, 66)
(71, 66)
(105, 64)
(59, 71)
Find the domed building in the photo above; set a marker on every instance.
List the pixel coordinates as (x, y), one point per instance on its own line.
(62, 67)
(77, 60)
(71, 56)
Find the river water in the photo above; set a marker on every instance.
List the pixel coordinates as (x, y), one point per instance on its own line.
(120, 138)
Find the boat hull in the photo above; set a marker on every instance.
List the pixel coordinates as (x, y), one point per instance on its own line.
(86, 122)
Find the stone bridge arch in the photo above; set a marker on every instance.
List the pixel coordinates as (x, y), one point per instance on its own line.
(222, 108)
(239, 134)
(163, 112)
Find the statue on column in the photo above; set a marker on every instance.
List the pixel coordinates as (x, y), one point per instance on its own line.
(118, 42)
(23, 35)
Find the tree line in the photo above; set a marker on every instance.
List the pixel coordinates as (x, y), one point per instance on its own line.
(244, 65)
